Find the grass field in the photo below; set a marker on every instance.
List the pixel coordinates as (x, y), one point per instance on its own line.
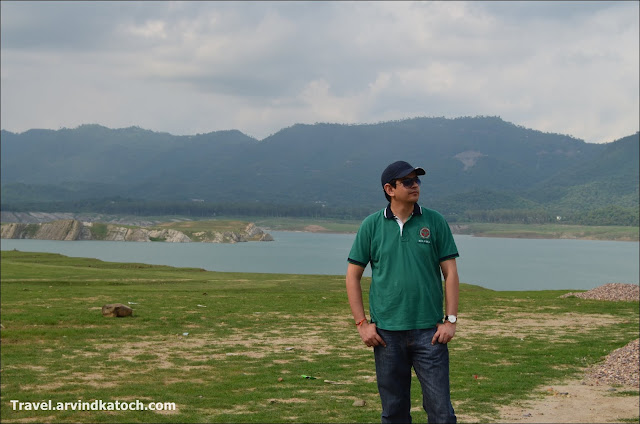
(217, 225)
(303, 224)
(551, 231)
(232, 347)
(554, 231)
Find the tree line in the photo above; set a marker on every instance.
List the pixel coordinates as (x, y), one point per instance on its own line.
(193, 209)
(611, 215)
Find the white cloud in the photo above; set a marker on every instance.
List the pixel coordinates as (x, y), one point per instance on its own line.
(187, 67)
(154, 29)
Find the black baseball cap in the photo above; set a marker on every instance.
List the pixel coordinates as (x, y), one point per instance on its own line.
(397, 170)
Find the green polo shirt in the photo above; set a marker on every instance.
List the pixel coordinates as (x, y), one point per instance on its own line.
(406, 286)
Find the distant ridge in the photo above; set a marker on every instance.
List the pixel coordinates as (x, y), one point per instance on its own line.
(472, 163)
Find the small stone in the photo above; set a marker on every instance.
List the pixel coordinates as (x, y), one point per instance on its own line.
(359, 403)
(280, 379)
(116, 310)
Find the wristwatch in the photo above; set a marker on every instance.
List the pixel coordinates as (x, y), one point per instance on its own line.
(451, 318)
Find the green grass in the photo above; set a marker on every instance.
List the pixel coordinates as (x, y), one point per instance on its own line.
(550, 231)
(32, 229)
(631, 393)
(216, 225)
(251, 337)
(98, 231)
(303, 224)
(553, 231)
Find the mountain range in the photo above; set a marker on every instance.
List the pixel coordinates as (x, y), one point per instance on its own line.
(472, 163)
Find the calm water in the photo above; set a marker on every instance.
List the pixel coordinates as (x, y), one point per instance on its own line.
(495, 263)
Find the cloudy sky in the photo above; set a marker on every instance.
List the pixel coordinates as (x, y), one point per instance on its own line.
(196, 67)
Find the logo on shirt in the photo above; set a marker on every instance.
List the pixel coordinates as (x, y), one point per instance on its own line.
(425, 233)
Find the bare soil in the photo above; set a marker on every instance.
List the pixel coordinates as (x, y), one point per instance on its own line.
(315, 229)
(574, 402)
(607, 392)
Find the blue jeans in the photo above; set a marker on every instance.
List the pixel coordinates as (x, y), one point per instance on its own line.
(406, 349)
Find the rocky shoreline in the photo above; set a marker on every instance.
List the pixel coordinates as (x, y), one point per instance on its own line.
(531, 231)
(73, 229)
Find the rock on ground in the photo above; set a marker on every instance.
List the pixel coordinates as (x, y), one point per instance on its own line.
(612, 291)
(116, 310)
(620, 367)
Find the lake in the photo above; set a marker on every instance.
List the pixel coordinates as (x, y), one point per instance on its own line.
(494, 263)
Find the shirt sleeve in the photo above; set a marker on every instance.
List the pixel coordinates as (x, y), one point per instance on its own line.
(360, 253)
(447, 248)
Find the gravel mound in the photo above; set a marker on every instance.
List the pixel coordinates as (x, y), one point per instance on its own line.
(613, 292)
(620, 367)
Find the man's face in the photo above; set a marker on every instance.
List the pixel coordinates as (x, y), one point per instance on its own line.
(407, 189)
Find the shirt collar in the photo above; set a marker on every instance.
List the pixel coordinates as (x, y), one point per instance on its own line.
(417, 210)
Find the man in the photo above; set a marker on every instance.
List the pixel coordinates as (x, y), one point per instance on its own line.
(408, 246)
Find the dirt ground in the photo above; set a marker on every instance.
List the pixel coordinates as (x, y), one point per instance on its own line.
(592, 398)
(575, 402)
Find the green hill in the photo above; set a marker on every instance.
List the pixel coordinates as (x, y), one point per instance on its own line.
(473, 164)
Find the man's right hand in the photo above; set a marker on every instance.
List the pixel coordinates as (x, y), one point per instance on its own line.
(369, 335)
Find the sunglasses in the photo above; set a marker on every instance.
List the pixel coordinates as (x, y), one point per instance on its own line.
(409, 182)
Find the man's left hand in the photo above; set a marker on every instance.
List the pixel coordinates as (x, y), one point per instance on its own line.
(444, 333)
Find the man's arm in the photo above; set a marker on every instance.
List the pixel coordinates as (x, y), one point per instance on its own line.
(446, 331)
(367, 331)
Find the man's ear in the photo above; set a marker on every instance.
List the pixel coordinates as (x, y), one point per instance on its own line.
(388, 188)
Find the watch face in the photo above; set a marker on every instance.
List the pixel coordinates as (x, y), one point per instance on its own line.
(452, 319)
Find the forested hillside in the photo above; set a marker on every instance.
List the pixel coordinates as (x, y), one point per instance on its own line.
(480, 168)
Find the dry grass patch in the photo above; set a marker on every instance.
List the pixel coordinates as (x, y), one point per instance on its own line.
(542, 326)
